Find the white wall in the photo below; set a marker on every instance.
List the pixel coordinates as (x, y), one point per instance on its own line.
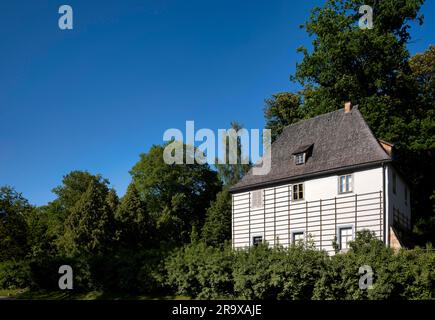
(274, 223)
(396, 201)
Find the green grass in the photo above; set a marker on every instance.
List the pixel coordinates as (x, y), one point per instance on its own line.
(27, 294)
(11, 292)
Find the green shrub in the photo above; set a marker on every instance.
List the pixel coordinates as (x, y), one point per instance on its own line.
(265, 273)
(45, 272)
(298, 272)
(201, 271)
(14, 274)
(129, 271)
(408, 274)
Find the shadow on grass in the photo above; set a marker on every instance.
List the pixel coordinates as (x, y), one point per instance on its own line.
(26, 294)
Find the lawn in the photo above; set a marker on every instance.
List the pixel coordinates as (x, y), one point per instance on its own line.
(27, 294)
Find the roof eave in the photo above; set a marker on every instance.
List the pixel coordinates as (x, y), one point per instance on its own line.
(235, 189)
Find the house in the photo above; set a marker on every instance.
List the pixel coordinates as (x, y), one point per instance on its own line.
(330, 177)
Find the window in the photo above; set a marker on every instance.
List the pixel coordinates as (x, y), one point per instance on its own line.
(345, 236)
(257, 240)
(257, 199)
(298, 191)
(300, 158)
(394, 182)
(297, 236)
(345, 183)
(406, 196)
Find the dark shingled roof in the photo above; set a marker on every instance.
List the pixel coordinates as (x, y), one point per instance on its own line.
(338, 140)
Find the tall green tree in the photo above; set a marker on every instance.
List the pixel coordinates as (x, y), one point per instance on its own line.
(347, 63)
(42, 231)
(228, 173)
(87, 228)
(13, 227)
(75, 184)
(281, 110)
(371, 68)
(421, 158)
(134, 223)
(217, 226)
(175, 194)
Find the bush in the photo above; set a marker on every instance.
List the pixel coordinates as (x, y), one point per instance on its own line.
(265, 273)
(298, 272)
(14, 274)
(129, 271)
(408, 274)
(45, 272)
(201, 271)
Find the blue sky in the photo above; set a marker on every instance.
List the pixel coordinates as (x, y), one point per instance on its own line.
(95, 97)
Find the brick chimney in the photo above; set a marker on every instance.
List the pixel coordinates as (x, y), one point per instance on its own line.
(347, 107)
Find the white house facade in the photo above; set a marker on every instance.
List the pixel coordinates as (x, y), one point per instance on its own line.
(330, 177)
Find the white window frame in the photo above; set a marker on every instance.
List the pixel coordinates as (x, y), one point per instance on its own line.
(339, 228)
(256, 236)
(260, 203)
(345, 183)
(294, 232)
(300, 158)
(303, 191)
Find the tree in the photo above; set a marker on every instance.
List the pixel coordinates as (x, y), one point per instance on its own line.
(350, 64)
(419, 153)
(281, 110)
(13, 228)
(87, 228)
(75, 184)
(42, 230)
(217, 226)
(228, 173)
(371, 68)
(135, 225)
(176, 194)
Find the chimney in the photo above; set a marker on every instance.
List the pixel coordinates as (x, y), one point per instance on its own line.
(347, 107)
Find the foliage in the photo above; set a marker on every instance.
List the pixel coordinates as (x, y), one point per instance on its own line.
(75, 184)
(281, 110)
(217, 226)
(175, 195)
(201, 271)
(300, 272)
(129, 271)
(406, 275)
(13, 228)
(87, 228)
(41, 231)
(371, 68)
(45, 272)
(265, 273)
(14, 274)
(134, 223)
(230, 173)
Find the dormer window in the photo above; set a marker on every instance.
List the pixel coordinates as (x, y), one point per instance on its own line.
(300, 158)
(302, 153)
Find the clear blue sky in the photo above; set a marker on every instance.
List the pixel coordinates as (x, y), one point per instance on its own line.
(96, 97)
